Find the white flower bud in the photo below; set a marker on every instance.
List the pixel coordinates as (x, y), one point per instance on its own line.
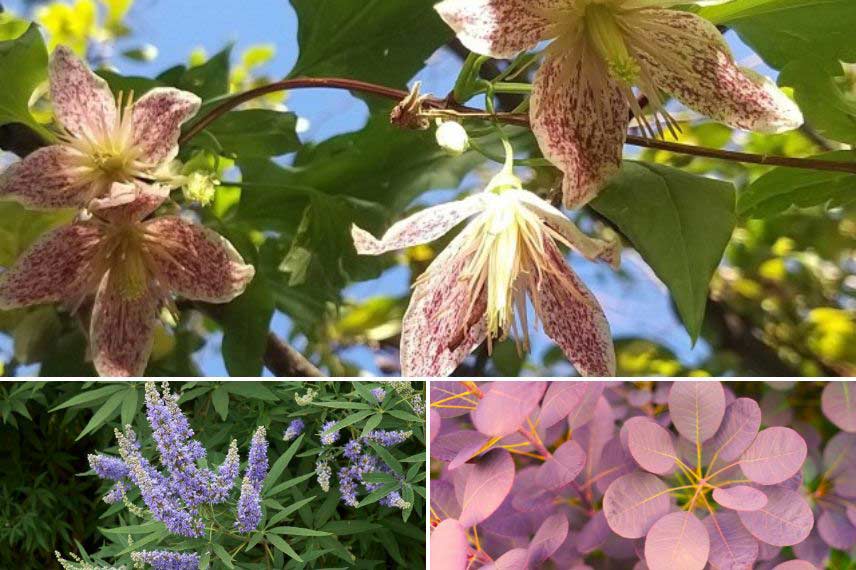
(453, 138)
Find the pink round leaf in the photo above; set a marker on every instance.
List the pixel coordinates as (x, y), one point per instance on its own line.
(678, 540)
(447, 446)
(697, 409)
(488, 484)
(550, 536)
(572, 400)
(563, 467)
(731, 545)
(836, 530)
(740, 498)
(651, 446)
(634, 502)
(776, 455)
(838, 403)
(795, 565)
(785, 520)
(455, 398)
(593, 533)
(514, 559)
(449, 546)
(739, 427)
(615, 461)
(851, 514)
(435, 424)
(839, 455)
(505, 406)
(443, 500)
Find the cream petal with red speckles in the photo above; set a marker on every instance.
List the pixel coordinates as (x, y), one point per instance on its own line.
(198, 263)
(131, 202)
(82, 101)
(687, 57)
(580, 118)
(497, 28)
(443, 324)
(157, 119)
(423, 227)
(592, 248)
(573, 318)
(55, 268)
(121, 331)
(47, 178)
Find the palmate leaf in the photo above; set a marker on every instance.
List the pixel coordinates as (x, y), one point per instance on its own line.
(679, 223)
(380, 41)
(23, 65)
(784, 30)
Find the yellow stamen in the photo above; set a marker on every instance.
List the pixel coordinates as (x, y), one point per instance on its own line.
(607, 37)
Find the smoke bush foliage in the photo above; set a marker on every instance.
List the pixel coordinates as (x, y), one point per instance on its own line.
(200, 475)
(657, 476)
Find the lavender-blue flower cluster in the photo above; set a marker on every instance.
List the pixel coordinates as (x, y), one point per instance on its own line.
(250, 501)
(174, 496)
(165, 560)
(295, 428)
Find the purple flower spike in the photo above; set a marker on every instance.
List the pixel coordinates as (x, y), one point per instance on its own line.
(330, 438)
(379, 394)
(249, 507)
(257, 464)
(164, 560)
(107, 467)
(294, 429)
(388, 438)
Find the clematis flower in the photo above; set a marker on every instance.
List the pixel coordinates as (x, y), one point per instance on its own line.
(583, 93)
(131, 266)
(477, 288)
(110, 150)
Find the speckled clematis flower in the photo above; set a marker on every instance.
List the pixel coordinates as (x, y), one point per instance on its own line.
(601, 49)
(131, 266)
(109, 152)
(477, 288)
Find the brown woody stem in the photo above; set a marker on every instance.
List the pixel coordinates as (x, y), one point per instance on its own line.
(512, 119)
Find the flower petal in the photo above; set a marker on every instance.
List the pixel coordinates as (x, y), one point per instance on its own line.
(130, 202)
(422, 227)
(687, 57)
(82, 101)
(57, 267)
(158, 116)
(497, 28)
(196, 262)
(573, 318)
(591, 248)
(46, 179)
(580, 117)
(122, 330)
(443, 325)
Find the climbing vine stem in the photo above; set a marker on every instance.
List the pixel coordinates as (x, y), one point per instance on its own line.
(455, 109)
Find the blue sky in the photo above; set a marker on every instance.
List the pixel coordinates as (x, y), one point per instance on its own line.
(636, 303)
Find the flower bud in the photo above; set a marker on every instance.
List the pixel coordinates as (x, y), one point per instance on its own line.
(453, 138)
(200, 187)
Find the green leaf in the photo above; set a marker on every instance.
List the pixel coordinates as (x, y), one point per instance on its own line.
(380, 41)
(783, 188)
(824, 95)
(89, 396)
(107, 410)
(135, 528)
(283, 514)
(344, 405)
(129, 405)
(341, 528)
(220, 400)
(379, 494)
(282, 546)
(281, 463)
(222, 554)
(679, 223)
(252, 133)
(784, 30)
(23, 65)
(348, 421)
(245, 322)
(379, 477)
(255, 390)
(298, 531)
(372, 423)
(290, 483)
(387, 457)
(209, 80)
